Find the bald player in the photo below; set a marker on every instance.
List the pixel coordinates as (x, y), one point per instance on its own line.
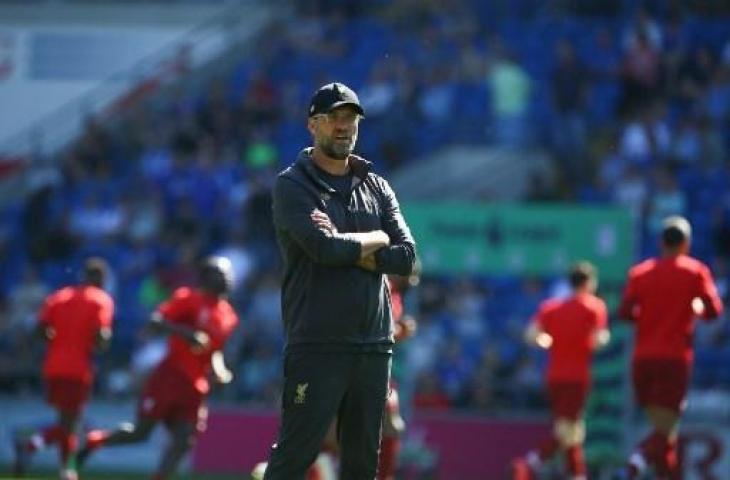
(662, 298)
(75, 321)
(570, 329)
(198, 322)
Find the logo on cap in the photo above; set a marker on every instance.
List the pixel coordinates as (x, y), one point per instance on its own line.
(333, 95)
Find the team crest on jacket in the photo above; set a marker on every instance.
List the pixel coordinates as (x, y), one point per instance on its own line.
(301, 394)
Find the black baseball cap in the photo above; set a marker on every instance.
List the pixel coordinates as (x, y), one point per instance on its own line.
(334, 95)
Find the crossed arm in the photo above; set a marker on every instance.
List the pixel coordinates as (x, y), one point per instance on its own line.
(388, 250)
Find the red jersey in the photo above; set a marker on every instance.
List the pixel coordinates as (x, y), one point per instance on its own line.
(207, 313)
(396, 302)
(76, 314)
(571, 323)
(658, 297)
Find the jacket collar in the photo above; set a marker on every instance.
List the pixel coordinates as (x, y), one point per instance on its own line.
(360, 167)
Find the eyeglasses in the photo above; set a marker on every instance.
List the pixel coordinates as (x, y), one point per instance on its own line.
(340, 116)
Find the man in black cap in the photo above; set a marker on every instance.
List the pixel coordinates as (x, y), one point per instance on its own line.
(340, 231)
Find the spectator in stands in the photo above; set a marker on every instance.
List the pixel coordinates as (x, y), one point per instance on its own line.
(641, 73)
(569, 90)
(511, 90)
(666, 199)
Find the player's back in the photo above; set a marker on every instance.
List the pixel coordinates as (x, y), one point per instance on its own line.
(74, 315)
(571, 323)
(663, 290)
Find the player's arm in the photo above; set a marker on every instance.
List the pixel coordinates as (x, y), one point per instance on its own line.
(627, 308)
(43, 330)
(297, 214)
(399, 257)
(536, 336)
(601, 338)
(601, 333)
(712, 306)
(103, 339)
(105, 319)
(221, 373)
(196, 338)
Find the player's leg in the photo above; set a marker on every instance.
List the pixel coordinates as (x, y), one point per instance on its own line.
(125, 434)
(182, 439)
(393, 427)
(68, 397)
(314, 383)
(68, 421)
(660, 387)
(571, 432)
(567, 400)
(361, 416)
(158, 397)
(185, 418)
(666, 425)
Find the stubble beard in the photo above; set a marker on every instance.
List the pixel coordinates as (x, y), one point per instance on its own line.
(338, 151)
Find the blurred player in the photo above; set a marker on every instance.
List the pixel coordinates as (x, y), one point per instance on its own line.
(404, 327)
(75, 321)
(198, 321)
(570, 329)
(662, 298)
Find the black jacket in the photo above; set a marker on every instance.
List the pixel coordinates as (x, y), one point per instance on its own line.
(327, 302)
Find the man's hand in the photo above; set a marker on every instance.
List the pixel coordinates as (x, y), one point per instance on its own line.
(224, 377)
(367, 263)
(534, 335)
(323, 222)
(221, 373)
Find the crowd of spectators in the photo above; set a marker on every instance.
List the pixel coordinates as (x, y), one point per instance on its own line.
(633, 103)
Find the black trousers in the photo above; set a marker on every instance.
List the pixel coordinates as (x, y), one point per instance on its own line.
(318, 387)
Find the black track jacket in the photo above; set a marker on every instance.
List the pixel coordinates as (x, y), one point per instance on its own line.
(328, 303)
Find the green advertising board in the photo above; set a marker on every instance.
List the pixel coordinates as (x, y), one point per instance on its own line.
(531, 239)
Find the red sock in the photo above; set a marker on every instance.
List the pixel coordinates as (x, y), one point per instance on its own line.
(389, 448)
(653, 447)
(575, 460)
(548, 448)
(668, 462)
(96, 438)
(67, 445)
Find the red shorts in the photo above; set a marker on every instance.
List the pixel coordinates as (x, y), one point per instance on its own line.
(567, 398)
(661, 382)
(66, 394)
(169, 396)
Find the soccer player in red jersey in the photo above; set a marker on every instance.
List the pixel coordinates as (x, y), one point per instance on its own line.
(570, 329)
(662, 298)
(198, 321)
(75, 321)
(404, 327)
